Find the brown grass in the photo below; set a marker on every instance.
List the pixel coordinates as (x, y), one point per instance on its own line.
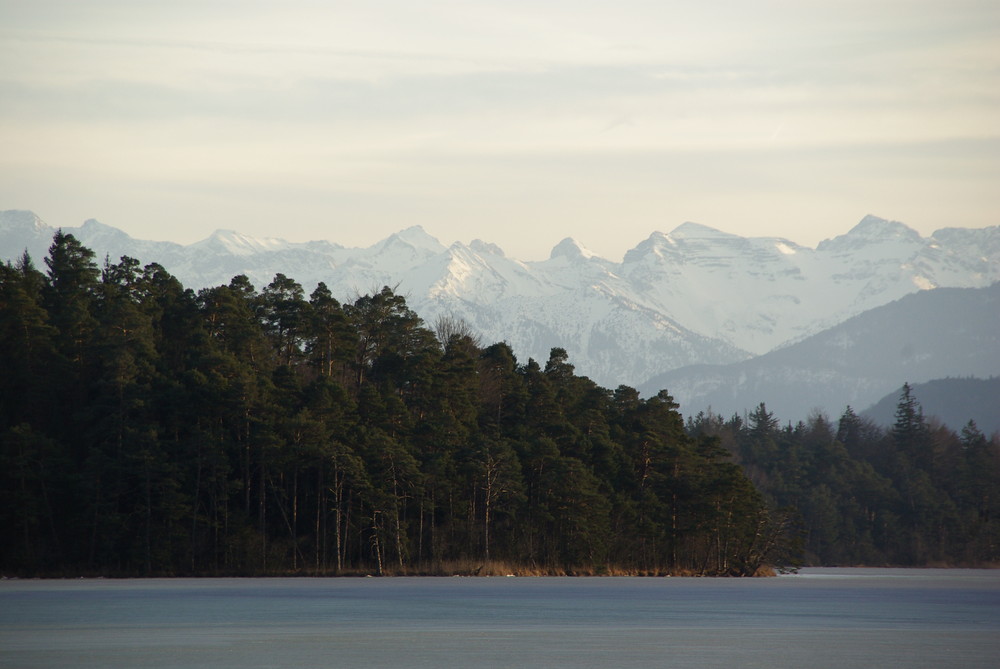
(501, 568)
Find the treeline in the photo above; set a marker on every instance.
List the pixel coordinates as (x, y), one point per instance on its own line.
(146, 429)
(916, 494)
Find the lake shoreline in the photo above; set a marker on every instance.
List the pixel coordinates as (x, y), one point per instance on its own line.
(484, 570)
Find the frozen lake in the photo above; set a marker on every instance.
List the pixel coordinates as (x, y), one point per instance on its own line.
(818, 618)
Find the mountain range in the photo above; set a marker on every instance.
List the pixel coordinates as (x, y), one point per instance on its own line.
(927, 335)
(695, 296)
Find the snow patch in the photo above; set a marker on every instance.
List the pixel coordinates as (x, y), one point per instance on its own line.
(479, 246)
(238, 244)
(569, 248)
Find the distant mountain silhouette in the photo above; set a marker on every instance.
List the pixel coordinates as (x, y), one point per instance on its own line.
(928, 335)
(953, 401)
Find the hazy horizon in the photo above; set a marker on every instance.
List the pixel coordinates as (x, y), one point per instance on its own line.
(446, 242)
(518, 123)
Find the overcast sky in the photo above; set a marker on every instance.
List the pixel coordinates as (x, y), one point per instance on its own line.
(517, 122)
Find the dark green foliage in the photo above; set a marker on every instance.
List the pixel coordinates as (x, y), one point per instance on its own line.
(147, 430)
(917, 494)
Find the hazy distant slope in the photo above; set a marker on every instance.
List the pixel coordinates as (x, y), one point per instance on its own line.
(927, 335)
(952, 401)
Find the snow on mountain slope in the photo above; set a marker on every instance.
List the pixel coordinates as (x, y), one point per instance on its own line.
(761, 293)
(22, 231)
(922, 336)
(695, 295)
(572, 300)
(230, 242)
(720, 285)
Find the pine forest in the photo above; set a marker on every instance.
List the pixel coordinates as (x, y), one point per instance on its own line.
(148, 429)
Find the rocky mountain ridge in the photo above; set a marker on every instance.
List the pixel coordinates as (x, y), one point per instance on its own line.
(693, 296)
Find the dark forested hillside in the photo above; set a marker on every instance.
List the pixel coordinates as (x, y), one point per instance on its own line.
(147, 429)
(916, 494)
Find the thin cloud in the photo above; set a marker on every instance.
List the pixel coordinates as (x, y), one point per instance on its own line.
(511, 115)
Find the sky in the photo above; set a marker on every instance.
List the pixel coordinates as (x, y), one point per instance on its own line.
(517, 122)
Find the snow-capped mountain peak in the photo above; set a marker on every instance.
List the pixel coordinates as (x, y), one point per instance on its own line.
(479, 246)
(234, 243)
(874, 227)
(414, 237)
(657, 245)
(871, 231)
(94, 229)
(695, 295)
(571, 250)
(691, 230)
(15, 220)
